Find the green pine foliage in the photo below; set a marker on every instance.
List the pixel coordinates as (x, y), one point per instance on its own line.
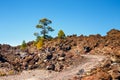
(43, 25)
(61, 34)
(23, 45)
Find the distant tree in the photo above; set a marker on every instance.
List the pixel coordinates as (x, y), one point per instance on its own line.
(23, 45)
(61, 34)
(43, 24)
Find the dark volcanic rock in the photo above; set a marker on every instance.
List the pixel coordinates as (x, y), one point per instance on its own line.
(87, 49)
(50, 67)
(49, 56)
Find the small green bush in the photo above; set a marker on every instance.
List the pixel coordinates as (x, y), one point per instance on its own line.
(23, 45)
(40, 43)
(61, 34)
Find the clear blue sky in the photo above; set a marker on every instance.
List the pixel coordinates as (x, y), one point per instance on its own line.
(18, 18)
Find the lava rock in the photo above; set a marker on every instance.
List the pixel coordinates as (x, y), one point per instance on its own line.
(61, 58)
(2, 59)
(49, 56)
(68, 48)
(62, 55)
(87, 49)
(50, 67)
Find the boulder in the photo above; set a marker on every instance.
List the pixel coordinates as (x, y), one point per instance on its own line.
(87, 49)
(28, 58)
(62, 54)
(61, 58)
(50, 67)
(49, 56)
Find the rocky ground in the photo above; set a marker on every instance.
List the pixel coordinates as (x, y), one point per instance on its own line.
(93, 57)
(88, 63)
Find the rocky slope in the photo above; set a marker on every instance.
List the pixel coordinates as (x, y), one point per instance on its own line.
(89, 62)
(58, 55)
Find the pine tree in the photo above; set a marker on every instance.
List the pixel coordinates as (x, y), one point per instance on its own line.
(43, 25)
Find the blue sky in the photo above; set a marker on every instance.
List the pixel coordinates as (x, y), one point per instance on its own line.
(18, 18)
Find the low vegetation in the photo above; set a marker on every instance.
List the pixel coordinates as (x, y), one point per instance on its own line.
(61, 34)
(40, 43)
(23, 45)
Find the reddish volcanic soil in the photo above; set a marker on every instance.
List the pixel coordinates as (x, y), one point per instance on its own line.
(88, 62)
